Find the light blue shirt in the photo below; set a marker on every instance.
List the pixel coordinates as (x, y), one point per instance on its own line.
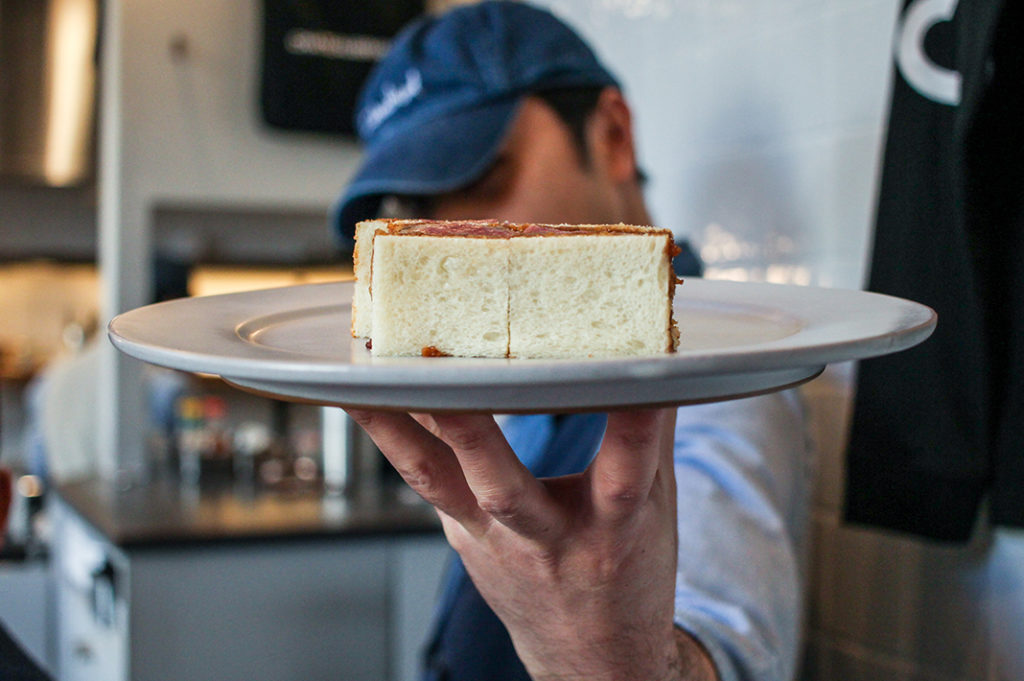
(744, 473)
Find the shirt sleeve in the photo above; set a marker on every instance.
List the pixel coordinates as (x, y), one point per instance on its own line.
(744, 474)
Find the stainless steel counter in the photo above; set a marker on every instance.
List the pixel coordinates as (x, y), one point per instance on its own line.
(159, 514)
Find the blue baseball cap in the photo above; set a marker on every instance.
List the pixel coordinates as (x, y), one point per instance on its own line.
(433, 113)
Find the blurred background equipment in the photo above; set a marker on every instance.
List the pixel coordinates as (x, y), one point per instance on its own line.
(48, 51)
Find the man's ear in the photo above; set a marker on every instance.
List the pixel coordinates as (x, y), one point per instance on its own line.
(610, 134)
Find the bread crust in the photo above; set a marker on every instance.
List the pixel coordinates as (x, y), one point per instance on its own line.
(496, 229)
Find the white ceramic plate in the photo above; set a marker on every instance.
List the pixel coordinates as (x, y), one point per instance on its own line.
(737, 339)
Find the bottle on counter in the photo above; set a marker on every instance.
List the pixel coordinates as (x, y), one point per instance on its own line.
(251, 441)
(307, 456)
(191, 432)
(205, 451)
(217, 461)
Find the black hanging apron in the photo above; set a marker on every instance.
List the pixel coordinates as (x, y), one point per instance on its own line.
(939, 428)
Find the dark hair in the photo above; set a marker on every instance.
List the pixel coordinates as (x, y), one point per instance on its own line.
(574, 107)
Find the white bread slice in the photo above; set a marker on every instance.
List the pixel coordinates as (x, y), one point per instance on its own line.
(490, 289)
(589, 296)
(440, 296)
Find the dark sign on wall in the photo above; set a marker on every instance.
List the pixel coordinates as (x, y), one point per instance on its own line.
(316, 55)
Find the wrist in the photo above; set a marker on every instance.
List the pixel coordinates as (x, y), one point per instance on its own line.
(682, 658)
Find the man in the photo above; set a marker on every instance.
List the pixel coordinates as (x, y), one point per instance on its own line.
(574, 561)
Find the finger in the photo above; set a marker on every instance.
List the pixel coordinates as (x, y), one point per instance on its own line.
(636, 445)
(504, 488)
(428, 423)
(424, 462)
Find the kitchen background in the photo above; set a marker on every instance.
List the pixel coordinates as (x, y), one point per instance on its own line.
(761, 126)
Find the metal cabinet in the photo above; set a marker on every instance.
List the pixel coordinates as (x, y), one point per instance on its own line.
(91, 622)
(88, 649)
(309, 609)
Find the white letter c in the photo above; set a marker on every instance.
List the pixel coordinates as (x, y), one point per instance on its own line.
(925, 76)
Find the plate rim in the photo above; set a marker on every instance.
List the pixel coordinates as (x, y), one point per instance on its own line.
(417, 372)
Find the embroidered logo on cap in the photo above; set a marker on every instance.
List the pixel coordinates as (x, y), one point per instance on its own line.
(393, 97)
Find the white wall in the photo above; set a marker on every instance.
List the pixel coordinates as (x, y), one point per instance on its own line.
(180, 128)
(761, 124)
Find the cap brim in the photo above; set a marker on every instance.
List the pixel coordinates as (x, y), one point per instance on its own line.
(439, 156)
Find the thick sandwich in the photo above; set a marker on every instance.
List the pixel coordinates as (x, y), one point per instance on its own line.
(496, 289)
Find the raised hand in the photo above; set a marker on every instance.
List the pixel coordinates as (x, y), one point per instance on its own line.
(580, 569)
